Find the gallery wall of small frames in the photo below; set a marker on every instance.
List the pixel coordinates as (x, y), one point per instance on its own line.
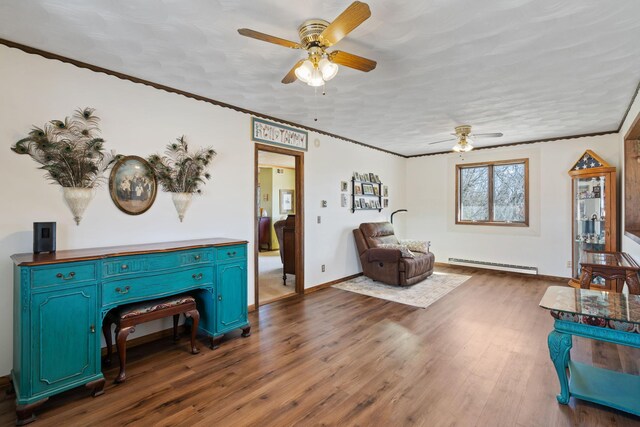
(367, 193)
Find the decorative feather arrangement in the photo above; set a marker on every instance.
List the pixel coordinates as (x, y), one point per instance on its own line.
(69, 150)
(180, 171)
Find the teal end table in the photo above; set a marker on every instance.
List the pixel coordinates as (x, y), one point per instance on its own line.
(599, 315)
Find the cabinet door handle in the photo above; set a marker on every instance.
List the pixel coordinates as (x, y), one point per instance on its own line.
(63, 277)
(197, 257)
(197, 276)
(92, 329)
(123, 291)
(124, 266)
(231, 254)
(219, 297)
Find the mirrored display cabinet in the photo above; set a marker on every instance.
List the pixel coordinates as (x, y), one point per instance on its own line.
(594, 215)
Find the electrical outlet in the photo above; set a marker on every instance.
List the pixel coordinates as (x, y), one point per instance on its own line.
(323, 268)
(568, 264)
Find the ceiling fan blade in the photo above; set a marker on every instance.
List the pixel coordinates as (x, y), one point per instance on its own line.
(267, 38)
(352, 61)
(443, 140)
(486, 135)
(347, 21)
(291, 75)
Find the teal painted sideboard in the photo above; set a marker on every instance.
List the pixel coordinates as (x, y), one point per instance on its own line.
(61, 299)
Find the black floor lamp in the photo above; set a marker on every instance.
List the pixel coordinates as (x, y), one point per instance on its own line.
(395, 212)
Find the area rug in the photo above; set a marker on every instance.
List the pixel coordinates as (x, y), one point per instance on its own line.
(421, 294)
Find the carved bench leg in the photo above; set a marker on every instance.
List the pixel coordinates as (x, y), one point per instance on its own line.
(176, 318)
(195, 317)
(97, 387)
(25, 413)
(246, 332)
(215, 342)
(106, 331)
(121, 342)
(559, 346)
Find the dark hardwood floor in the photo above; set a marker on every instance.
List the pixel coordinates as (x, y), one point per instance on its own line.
(478, 356)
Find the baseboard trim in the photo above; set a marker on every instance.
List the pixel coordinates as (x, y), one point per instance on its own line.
(329, 284)
(512, 273)
(251, 308)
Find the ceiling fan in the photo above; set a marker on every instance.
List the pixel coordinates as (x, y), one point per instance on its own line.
(463, 135)
(316, 35)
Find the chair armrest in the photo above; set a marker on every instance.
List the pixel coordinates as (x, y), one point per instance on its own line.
(384, 255)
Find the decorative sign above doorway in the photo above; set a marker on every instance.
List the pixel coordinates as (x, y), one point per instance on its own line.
(277, 134)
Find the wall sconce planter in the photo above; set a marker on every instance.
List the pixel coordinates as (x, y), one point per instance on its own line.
(72, 156)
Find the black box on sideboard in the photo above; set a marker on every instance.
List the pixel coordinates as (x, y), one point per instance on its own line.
(44, 237)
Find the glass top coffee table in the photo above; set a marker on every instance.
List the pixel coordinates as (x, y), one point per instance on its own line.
(599, 315)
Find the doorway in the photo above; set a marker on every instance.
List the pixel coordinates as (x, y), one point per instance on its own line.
(279, 222)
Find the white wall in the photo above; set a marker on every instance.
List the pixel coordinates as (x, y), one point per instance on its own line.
(141, 120)
(628, 245)
(545, 244)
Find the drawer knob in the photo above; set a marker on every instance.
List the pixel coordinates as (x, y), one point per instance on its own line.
(92, 329)
(231, 254)
(124, 266)
(63, 277)
(123, 291)
(197, 276)
(219, 297)
(197, 257)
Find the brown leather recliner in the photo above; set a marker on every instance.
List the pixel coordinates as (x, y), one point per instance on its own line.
(388, 265)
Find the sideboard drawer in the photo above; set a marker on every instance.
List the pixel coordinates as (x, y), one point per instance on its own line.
(231, 252)
(63, 274)
(123, 291)
(133, 264)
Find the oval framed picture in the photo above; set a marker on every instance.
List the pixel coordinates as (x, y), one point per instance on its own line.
(132, 185)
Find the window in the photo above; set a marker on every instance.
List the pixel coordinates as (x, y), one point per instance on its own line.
(493, 193)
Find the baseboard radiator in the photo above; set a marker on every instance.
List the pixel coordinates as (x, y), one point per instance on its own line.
(494, 266)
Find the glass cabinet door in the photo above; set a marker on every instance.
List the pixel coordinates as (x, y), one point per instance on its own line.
(590, 217)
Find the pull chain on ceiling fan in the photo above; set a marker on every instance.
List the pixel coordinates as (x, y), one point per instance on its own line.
(316, 35)
(463, 135)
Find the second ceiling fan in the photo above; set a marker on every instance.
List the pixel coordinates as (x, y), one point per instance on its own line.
(463, 135)
(316, 35)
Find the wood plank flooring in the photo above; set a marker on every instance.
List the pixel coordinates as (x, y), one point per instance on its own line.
(477, 357)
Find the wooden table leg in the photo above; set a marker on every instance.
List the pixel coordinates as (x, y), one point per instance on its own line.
(632, 282)
(559, 346)
(585, 278)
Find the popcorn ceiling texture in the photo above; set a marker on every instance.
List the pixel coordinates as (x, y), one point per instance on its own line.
(532, 69)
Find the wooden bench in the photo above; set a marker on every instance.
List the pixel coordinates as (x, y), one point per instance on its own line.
(128, 316)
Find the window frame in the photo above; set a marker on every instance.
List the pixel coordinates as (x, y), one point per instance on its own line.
(490, 166)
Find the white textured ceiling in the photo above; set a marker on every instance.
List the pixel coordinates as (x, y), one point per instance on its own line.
(532, 69)
(266, 158)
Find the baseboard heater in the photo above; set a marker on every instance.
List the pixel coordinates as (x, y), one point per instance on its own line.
(494, 266)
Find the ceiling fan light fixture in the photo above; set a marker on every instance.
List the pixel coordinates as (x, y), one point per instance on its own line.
(328, 69)
(305, 71)
(316, 78)
(462, 148)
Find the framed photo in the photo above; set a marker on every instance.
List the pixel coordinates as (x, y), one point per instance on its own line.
(376, 190)
(287, 202)
(356, 204)
(377, 179)
(385, 202)
(378, 204)
(343, 200)
(344, 186)
(364, 177)
(356, 176)
(385, 191)
(362, 203)
(357, 189)
(367, 189)
(132, 185)
(372, 177)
